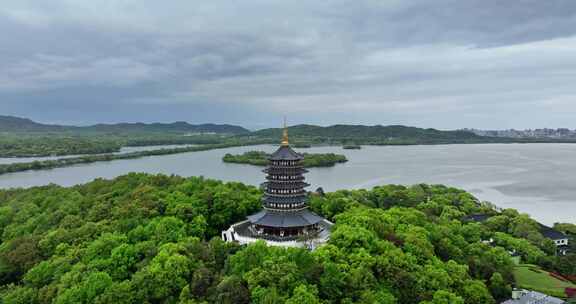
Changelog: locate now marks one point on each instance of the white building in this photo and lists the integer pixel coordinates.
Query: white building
(523, 296)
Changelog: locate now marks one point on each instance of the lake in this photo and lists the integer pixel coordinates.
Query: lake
(538, 179)
(11, 160)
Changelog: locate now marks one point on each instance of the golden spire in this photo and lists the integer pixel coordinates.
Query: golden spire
(285, 134)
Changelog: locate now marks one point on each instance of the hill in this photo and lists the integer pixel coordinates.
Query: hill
(176, 127)
(395, 134)
(143, 238)
(23, 125)
(18, 124)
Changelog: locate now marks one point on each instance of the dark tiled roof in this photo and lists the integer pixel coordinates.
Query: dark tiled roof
(552, 233)
(285, 153)
(279, 219)
(477, 218)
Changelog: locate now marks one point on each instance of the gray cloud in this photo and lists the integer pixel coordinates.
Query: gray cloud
(442, 63)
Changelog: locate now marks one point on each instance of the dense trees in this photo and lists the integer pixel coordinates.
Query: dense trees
(54, 146)
(121, 241)
(566, 265)
(260, 158)
(14, 144)
(22, 137)
(385, 135)
(25, 138)
(359, 134)
(155, 239)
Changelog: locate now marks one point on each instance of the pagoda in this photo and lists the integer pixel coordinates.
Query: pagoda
(285, 219)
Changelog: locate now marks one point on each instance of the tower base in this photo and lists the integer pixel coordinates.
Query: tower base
(245, 233)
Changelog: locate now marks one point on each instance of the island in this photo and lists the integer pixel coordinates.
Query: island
(352, 147)
(260, 158)
(301, 145)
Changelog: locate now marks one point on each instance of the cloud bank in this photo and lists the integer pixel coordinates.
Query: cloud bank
(442, 63)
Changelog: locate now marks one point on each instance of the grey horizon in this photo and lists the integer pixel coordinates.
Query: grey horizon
(445, 64)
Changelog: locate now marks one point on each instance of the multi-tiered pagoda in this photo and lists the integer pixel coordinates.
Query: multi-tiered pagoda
(285, 219)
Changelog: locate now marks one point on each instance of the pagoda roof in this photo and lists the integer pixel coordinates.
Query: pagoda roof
(285, 153)
(285, 219)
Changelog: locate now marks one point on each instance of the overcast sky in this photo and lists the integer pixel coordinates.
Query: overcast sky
(445, 64)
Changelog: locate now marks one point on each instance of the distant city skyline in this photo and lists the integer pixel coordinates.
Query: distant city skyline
(446, 64)
(528, 133)
(511, 132)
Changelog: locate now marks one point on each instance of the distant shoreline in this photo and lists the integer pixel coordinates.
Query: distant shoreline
(71, 161)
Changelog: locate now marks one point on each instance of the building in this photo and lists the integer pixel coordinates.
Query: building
(478, 218)
(560, 239)
(523, 296)
(285, 219)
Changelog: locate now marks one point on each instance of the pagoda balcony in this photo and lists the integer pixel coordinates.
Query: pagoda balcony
(293, 194)
(274, 178)
(285, 181)
(285, 185)
(299, 164)
(293, 170)
(300, 194)
(272, 199)
(285, 207)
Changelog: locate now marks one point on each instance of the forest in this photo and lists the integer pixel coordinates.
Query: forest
(143, 238)
(42, 145)
(12, 146)
(21, 137)
(385, 135)
(260, 158)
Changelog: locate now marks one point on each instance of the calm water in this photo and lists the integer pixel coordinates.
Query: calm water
(11, 160)
(534, 178)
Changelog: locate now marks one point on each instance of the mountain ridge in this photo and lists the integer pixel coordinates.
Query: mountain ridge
(375, 133)
(19, 124)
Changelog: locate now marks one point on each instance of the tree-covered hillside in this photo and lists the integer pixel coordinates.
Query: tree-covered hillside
(24, 125)
(155, 239)
(388, 135)
(55, 146)
(20, 137)
(373, 134)
(17, 124)
(176, 127)
(23, 137)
